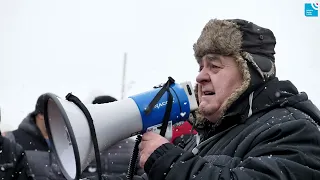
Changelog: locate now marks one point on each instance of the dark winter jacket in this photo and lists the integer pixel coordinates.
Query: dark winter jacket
(280, 140)
(13, 162)
(43, 164)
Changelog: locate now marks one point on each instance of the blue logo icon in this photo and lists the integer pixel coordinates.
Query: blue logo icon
(311, 9)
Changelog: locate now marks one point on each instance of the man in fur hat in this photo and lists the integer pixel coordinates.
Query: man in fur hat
(252, 125)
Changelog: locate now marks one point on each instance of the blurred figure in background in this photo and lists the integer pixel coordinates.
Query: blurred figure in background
(32, 136)
(13, 161)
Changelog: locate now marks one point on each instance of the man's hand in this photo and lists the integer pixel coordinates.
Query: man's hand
(149, 143)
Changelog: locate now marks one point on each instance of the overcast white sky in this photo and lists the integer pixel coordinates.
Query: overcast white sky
(77, 46)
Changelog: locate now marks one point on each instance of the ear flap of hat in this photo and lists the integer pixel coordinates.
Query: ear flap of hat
(265, 67)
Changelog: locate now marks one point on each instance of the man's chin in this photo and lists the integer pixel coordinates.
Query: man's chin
(206, 108)
(205, 112)
(208, 114)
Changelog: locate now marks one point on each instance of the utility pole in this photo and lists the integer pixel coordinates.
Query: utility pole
(123, 89)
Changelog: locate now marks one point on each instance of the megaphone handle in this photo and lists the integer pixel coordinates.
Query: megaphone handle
(82, 107)
(134, 158)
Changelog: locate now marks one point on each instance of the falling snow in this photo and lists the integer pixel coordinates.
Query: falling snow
(172, 165)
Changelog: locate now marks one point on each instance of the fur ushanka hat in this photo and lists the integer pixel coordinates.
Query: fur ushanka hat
(251, 45)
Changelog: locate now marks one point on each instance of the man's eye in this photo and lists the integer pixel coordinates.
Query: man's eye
(214, 66)
(200, 68)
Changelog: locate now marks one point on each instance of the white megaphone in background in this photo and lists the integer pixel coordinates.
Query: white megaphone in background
(69, 130)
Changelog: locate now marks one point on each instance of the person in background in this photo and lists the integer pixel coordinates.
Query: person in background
(32, 136)
(13, 161)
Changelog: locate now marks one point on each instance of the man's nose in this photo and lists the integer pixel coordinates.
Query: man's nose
(203, 76)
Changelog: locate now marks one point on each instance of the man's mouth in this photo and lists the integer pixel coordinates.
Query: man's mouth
(208, 93)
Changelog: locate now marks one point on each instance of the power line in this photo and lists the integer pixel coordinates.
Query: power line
(124, 76)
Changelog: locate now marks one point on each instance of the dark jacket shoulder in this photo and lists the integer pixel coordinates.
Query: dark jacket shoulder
(13, 161)
(42, 162)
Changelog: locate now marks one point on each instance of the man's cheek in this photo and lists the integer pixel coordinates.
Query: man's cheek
(199, 93)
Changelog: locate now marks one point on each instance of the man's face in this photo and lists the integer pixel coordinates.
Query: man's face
(40, 117)
(219, 76)
(41, 125)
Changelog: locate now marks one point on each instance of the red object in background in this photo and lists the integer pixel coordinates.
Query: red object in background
(183, 129)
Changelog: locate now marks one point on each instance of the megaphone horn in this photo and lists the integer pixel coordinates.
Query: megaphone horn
(72, 136)
(93, 135)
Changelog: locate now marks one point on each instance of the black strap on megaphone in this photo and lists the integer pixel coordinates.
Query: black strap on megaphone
(155, 100)
(85, 111)
(165, 121)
